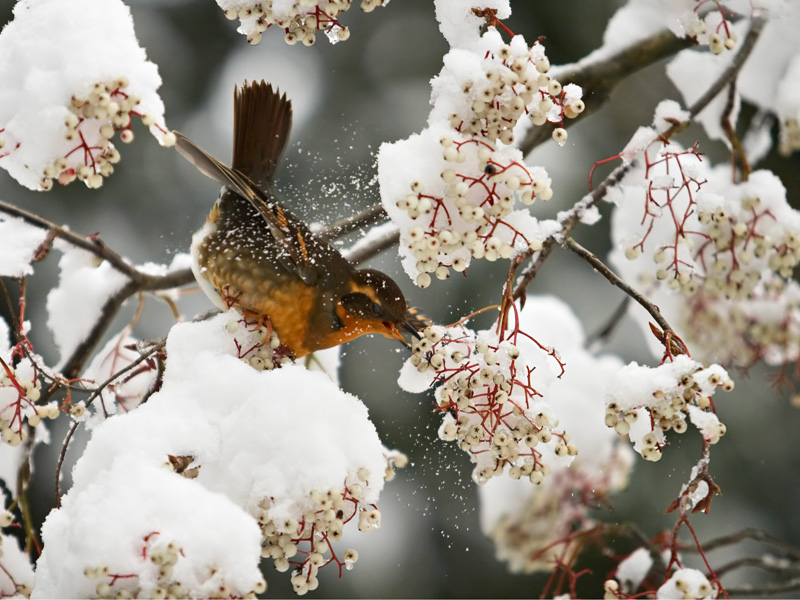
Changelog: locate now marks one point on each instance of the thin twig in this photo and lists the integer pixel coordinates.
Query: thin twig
(145, 282)
(604, 333)
(155, 347)
(765, 589)
(750, 533)
(364, 252)
(614, 279)
(369, 216)
(727, 77)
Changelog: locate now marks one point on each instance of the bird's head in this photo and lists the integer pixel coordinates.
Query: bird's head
(375, 305)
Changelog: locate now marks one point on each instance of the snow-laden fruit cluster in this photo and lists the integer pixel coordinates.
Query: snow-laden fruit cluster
(256, 344)
(306, 545)
(718, 256)
(68, 91)
(20, 390)
(534, 526)
(227, 460)
(163, 559)
(301, 20)
(644, 403)
(491, 403)
(454, 189)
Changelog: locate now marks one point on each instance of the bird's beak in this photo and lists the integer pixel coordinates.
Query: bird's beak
(394, 333)
(411, 329)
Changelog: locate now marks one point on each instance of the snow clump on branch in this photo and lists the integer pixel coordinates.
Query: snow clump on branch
(185, 494)
(454, 188)
(73, 77)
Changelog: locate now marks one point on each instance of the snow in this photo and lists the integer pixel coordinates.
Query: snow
(51, 52)
(17, 565)
(262, 441)
(693, 72)
(18, 244)
(686, 583)
(74, 306)
(459, 25)
(632, 570)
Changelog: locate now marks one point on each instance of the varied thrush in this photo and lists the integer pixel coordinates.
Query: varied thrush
(253, 254)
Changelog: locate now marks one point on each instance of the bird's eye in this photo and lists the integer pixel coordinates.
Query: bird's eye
(377, 308)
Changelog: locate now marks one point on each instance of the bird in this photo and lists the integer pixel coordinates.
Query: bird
(252, 253)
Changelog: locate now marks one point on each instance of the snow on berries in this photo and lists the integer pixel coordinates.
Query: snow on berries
(455, 189)
(68, 94)
(719, 254)
(644, 403)
(300, 21)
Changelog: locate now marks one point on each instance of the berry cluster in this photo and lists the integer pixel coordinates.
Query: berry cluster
(470, 179)
(257, 344)
(491, 409)
(162, 582)
(305, 544)
(513, 81)
(721, 37)
(90, 125)
(301, 20)
(677, 389)
(20, 389)
(730, 249)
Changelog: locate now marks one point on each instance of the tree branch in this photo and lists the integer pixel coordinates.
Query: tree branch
(614, 279)
(598, 75)
(572, 217)
(155, 347)
(361, 252)
(369, 216)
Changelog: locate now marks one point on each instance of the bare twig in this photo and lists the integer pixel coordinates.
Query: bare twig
(364, 252)
(154, 348)
(367, 217)
(145, 282)
(604, 333)
(614, 279)
(765, 589)
(753, 534)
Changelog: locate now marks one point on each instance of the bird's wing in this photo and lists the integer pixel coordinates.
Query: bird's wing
(288, 232)
(262, 119)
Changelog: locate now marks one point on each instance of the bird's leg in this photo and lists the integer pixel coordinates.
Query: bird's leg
(261, 320)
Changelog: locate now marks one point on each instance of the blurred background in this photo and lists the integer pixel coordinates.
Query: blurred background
(348, 99)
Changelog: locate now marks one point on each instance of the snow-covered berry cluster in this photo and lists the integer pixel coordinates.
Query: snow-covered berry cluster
(300, 20)
(157, 578)
(714, 29)
(90, 124)
(643, 403)
(20, 389)
(491, 406)
(728, 249)
(305, 543)
(70, 89)
(687, 583)
(458, 192)
(256, 343)
(509, 82)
